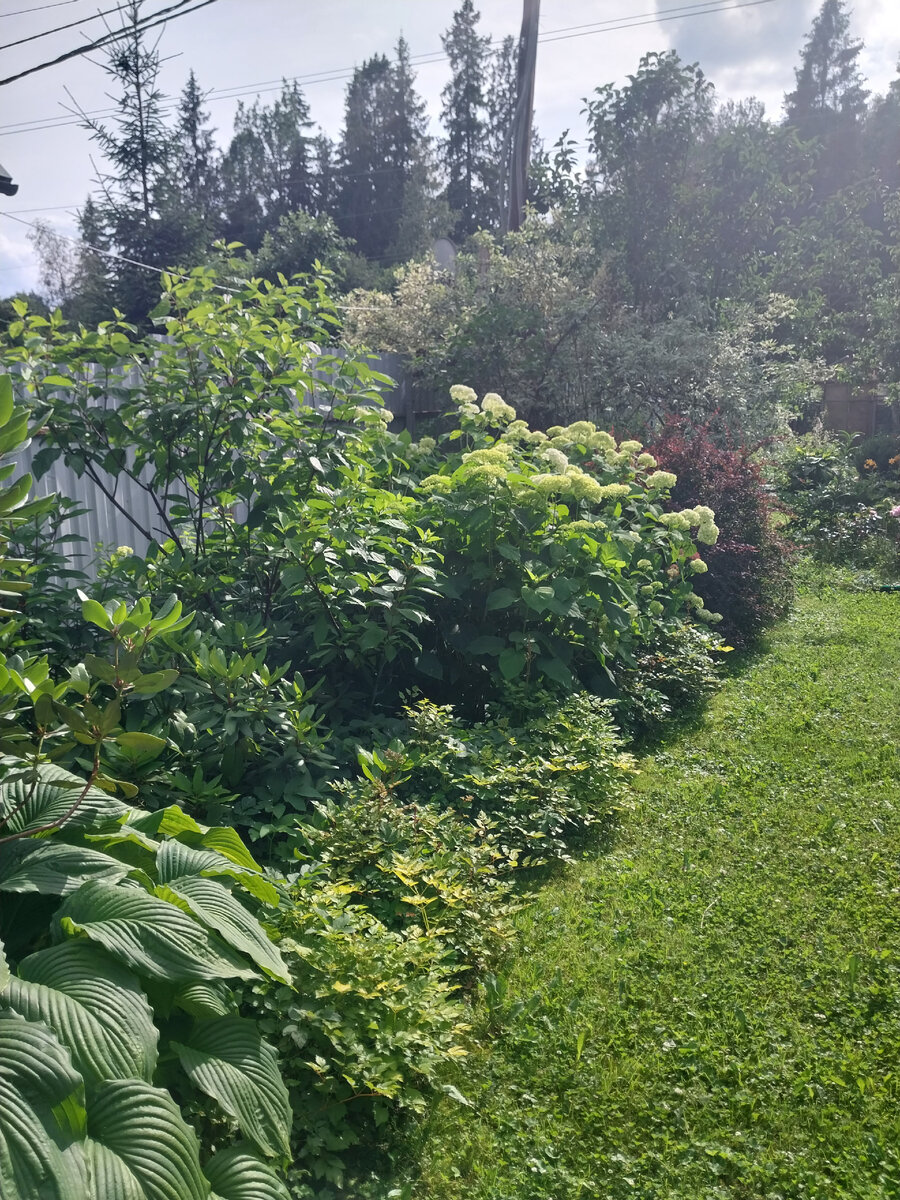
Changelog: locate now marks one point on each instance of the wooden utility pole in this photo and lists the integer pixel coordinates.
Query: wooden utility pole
(523, 118)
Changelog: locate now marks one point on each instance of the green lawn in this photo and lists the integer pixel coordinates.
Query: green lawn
(711, 1008)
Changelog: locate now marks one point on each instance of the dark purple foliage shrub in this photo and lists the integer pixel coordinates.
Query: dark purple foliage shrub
(749, 580)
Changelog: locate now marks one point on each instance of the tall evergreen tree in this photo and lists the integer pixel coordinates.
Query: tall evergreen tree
(500, 105)
(137, 150)
(829, 82)
(829, 102)
(267, 169)
(196, 173)
(465, 150)
(383, 170)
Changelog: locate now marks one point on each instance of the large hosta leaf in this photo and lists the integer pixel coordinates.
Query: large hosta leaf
(41, 1114)
(153, 937)
(139, 1147)
(176, 858)
(34, 805)
(53, 868)
(215, 906)
(227, 1059)
(93, 1004)
(237, 1174)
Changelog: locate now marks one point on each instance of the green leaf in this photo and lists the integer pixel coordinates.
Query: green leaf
(512, 663)
(156, 681)
(151, 936)
(238, 1174)
(142, 745)
(501, 598)
(227, 1059)
(206, 999)
(94, 1006)
(139, 1146)
(556, 670)
(53, 868)
(4, 969)
(176, 858)
(486, 644)
(216, 907)
(42, 1114)
(94, 612)
(48, 800)
(7, 399)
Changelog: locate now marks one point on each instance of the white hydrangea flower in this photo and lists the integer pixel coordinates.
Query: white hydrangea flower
(555, 459)
(661, 479)
(630, 447)
(698, 566)
(708, 533)
(463, 395)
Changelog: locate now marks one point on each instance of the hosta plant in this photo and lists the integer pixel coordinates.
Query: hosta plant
(124, 937)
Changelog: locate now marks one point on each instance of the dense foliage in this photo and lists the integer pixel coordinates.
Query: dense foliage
(124, 935)
(748, 580)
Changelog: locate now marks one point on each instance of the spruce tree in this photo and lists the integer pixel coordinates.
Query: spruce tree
(465, 150)
(829, 83)
(383, 171)
(267, 169)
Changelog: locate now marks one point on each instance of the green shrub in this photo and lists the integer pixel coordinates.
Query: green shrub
(673, 677)
(369, 1018)
(539, 784)
(122, 936)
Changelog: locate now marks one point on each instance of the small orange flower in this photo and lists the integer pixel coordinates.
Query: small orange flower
(870, 464)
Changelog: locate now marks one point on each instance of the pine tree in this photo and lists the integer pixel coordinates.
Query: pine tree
(465, 150)
(500, 107)
(196, 173)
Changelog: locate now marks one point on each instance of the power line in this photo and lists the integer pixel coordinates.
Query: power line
(59, 28)
(237, 91)
(38, 8)
(162, 16)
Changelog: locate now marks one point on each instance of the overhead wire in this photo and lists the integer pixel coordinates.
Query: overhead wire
(162, 16)
(60, 28)
(238, 91)
(19, 12)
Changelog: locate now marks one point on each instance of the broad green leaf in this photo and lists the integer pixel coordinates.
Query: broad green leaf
(7, 399)
(153, 937)
(238, 1174)
(156, 681)
(53, 868)
(176, 858)
(4, 969)
(51, 797)
(216, 907)
(206, 999)
(144, 745)
(227, 1059)
(139, 1146)
(501, 598)
(93, 611)
(93, 1004)
(556, 670)
(42, 1114)
(511, 663)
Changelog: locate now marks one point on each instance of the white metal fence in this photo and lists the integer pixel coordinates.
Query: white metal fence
(103, 526)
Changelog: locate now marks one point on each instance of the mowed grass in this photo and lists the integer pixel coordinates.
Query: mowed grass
(711, 1009)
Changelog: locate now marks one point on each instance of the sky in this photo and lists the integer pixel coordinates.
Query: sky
(248, 46)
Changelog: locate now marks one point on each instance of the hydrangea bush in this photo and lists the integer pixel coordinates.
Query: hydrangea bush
(559, 555)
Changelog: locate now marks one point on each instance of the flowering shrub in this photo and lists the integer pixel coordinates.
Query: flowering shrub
(748, 581)
(559, 557)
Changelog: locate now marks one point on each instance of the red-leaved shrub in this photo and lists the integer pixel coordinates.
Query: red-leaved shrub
(749, 579)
